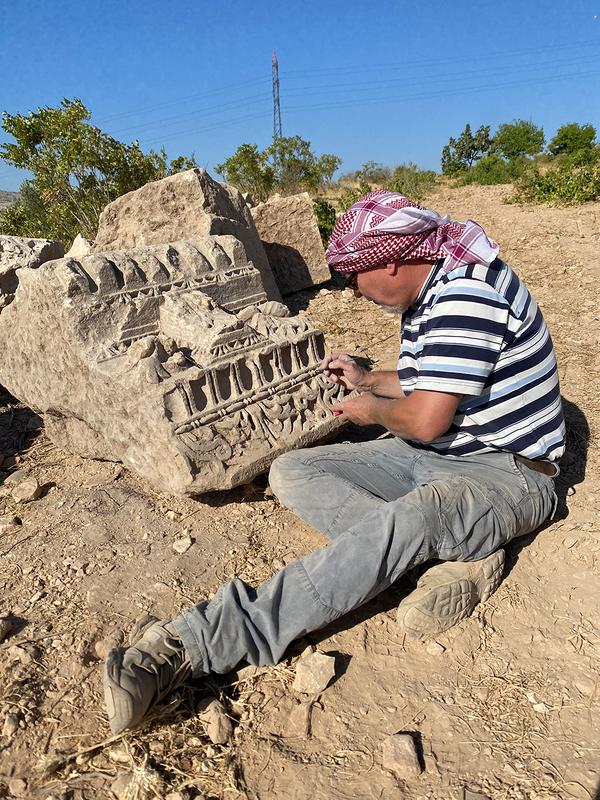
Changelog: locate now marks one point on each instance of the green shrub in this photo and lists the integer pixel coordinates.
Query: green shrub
(493, 169)
(411, 181)
(351, 195)
(574, 179)
(325, 214)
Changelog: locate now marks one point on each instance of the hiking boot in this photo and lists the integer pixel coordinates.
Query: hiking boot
(138, 677)
(447, 593)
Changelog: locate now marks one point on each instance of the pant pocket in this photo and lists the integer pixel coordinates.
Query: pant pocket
(474, 521)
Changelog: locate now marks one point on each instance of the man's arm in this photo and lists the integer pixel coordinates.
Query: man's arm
(422, 416)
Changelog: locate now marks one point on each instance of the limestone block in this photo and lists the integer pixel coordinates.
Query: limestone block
(16, 253)
(183, 206)
(80, 247)
(290, 235)
(169, 359)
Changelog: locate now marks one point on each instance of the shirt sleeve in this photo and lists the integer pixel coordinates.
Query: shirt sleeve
(463, 338)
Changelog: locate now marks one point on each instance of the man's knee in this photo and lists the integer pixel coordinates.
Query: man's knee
(287, 475)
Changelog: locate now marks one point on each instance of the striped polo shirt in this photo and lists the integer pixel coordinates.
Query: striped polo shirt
(477, 331)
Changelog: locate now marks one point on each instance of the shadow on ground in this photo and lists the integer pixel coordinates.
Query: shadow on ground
(19, 426)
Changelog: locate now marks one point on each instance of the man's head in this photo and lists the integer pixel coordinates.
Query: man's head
(393, 286)
(386, 243)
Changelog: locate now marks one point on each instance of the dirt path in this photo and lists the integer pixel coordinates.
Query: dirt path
(506, 704)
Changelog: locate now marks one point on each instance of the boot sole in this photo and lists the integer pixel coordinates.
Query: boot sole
(447, 593)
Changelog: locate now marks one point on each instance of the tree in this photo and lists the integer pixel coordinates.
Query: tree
(373, 172)
(76, 170)
(518, 139)
(249, 169)
(460, 154)
(288, 165)
(571, 138)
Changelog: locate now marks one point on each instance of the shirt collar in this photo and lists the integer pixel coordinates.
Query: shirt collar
(428, 283)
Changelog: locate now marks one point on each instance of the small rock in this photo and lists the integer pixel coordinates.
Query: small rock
(540, 708)
(16, 653)
(585, 685)
(11, 725)
(218, 724)
(17, 787)
(103, 646)
(15, 477)
(80, 247)
(118, 756)
(400, 756)
(435, 648)
(183, 544)
(174, 516)
(9, 523)
(470, 795)
(6, 626)
(313, 673)
(26, 491)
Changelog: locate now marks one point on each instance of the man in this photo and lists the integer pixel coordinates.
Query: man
(476, 427)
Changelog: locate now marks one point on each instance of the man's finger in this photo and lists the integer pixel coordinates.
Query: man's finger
(341, 363)
(338, 409)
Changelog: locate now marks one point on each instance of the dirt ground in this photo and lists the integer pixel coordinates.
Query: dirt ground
(506, 704)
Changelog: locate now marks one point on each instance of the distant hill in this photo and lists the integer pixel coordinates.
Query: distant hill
(7, 198)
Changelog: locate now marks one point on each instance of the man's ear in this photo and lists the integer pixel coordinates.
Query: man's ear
(392, 267)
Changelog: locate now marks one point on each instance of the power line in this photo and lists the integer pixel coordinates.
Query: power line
(332, 105)
(230, 90)
(187, 98)
(486, 56)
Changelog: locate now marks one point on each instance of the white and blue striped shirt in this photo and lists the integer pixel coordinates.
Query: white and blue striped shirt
(477, 331)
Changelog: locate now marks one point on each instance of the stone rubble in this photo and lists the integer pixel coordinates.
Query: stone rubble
(290, 235)
(400, 756)
(80, 247)
(10, 726)
(218, 725)
(183, 544)
(313, 673)
(27, 490)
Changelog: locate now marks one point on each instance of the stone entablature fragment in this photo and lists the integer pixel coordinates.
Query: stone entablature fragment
(168, 358)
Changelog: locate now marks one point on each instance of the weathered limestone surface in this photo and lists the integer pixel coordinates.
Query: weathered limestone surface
(183, 206)
(16, 253)
(168, 358)
(80, 247)
(290, 235)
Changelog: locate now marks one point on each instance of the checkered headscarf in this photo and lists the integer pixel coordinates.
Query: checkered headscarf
(386, 226)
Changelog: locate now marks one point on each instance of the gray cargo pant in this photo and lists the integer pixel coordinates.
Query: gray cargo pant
(385, 506)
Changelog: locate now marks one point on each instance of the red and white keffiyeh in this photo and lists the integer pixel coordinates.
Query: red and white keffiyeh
(386, 226)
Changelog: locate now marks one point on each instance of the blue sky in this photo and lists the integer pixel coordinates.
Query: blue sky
(388, 82)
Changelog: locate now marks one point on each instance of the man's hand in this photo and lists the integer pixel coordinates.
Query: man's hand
(341, 368)
(359, 410)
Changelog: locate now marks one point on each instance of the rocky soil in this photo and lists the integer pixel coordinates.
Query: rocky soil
(504, 706)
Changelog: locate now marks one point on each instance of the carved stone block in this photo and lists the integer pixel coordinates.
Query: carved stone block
(169, 359)
(16, 253)
(290, 235)
(183, 206)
